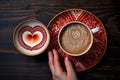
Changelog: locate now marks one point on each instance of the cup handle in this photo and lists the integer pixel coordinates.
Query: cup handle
(96, 29)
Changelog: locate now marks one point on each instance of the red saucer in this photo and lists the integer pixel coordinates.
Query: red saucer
(94, 55)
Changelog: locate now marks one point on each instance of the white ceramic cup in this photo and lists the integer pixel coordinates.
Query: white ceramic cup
(76, 38)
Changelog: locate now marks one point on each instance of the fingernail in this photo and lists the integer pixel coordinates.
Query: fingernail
(66, 58)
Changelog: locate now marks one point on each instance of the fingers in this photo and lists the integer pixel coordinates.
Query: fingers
(57, 62)
(54, 62)
(69, 67)
(51, 61)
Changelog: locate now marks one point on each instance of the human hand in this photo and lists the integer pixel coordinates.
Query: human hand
(57, 72)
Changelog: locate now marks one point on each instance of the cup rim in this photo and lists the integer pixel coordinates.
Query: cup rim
(86, 49)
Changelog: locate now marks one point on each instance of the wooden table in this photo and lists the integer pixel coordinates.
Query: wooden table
(15, 66)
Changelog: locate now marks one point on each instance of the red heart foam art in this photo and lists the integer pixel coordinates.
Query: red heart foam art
(32, 38)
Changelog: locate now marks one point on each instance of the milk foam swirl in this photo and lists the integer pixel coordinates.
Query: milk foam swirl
(75, 38)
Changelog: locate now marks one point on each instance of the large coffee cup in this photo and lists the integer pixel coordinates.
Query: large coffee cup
(76, 38)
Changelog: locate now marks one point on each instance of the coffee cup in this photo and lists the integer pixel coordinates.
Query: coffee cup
(31, 37)
(76, 38)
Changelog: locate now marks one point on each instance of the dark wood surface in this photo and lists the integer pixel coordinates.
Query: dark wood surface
(15, 66)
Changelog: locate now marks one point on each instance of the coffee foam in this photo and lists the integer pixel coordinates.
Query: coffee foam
(24, 50)
(28, 40)
(75, 38)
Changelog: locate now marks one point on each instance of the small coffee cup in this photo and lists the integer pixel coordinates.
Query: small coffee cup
(31, 37)
(76, 38)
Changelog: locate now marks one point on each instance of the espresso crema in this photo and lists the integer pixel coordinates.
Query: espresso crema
(75, 38)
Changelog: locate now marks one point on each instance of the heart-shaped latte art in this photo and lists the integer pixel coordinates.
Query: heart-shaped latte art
(32, 38)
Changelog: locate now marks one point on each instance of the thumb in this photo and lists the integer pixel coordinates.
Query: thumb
(69, 67)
